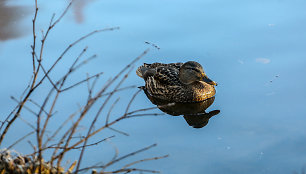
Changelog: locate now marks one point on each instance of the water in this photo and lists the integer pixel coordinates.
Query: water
(253, 49)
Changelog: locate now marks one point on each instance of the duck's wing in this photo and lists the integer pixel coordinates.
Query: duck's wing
(166, 76)
(155, 65)
(147, 70)
(164, 83)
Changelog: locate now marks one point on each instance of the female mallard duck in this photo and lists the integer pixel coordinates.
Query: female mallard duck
(177, 82)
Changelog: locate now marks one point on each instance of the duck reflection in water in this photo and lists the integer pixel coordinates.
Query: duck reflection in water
(180, 89)
(194, 113)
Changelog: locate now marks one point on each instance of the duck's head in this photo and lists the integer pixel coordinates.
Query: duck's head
(191, 72)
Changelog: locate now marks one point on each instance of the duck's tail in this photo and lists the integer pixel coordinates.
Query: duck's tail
(145, 70)
(140, 71)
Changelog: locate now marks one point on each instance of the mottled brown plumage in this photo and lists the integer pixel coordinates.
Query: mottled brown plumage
(177, 82)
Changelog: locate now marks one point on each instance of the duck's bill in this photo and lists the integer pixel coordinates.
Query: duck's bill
(209, 81)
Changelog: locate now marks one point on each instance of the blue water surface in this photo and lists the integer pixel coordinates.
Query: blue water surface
(255, 50)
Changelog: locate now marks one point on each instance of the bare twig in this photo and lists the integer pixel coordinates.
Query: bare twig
(141, 110)
(82, 81)
(70, 46)
(116, 130)
(131, 101)
(87, 108)
(28, 123)
(25, 107)
(36, 104)
(96, 143)
(110, 110)
(128, 155)
(96, 117)
(85, 62)
(153, 45)
(35, 70)
(91, 87)
(20, 139)
(59, 129)
(8, 117)
(141, 115)
(119, 89)
(143, 160)
(34, 37)
(79, 147)
(125, 168)
(128, 170)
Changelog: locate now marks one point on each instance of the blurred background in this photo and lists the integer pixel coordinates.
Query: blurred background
(255, 50)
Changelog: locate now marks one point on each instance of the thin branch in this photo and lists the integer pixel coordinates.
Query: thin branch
(26, 89)
(32, 145)
(141, 115)
(116, 130)
(71, 69)
(62, 15)
(59, 129)
(82, 81)
(35, 71)
(8, 117)
(110, 110)
(153, 45)
(125, 168)
(79, 147)
(20, 139)
(143, 160)
(87, 108)
(28, 123)
(129, 170)
(59, 90)
(36, 104)
(141, 110)
(27, 108)
(116, 150)
(70, 46)
(91, 87)
(20, 106)
(128, 155)
(131, 101)
(85, 62)
(34, 37)
(49, 78)
(119, 89)
(96, 143)
(96, 117)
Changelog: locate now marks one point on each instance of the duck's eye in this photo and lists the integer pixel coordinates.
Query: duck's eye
(194, 69)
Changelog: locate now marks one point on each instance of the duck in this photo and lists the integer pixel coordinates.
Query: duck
(177, 82)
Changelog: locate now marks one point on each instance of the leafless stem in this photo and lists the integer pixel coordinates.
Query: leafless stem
(70, 46)
(96, 117)
(143, 160)
(125, 168)
(141, 115)
(59, 129)
(128, 155)
(34, 37)
(86, 108)
(121, 132)
(131, 101)
(110, 110)
(82, 81)
(20, 139)
(79, 147)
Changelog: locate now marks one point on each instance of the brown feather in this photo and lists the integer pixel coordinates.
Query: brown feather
(162, 81)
